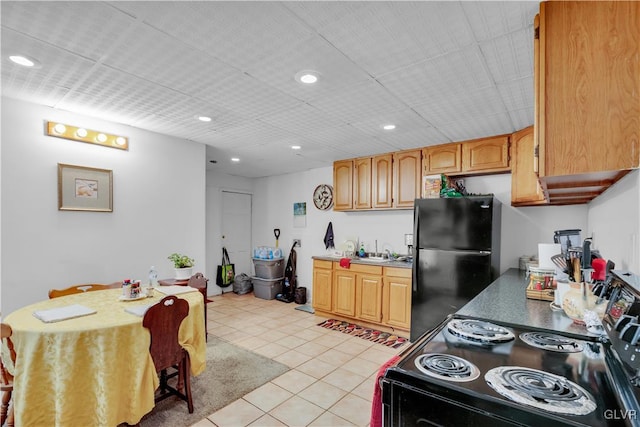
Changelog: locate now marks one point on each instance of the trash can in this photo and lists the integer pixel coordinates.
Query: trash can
(301, 295)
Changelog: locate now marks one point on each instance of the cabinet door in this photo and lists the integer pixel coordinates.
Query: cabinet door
(444, 158)
(407, 178)
(382, 180)
(525, 188)
(343, 185)
(362, 183)
(590, 63)
(369, 297)
(322, 289)
(344, 293)
(397, 302)
(486, 154)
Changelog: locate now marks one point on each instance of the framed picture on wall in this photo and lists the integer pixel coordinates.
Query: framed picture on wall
(81, 188)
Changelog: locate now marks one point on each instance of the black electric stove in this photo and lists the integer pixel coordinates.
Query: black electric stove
(470, 371)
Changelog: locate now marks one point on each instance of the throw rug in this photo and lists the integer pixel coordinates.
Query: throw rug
(384, 338)
(231, 373)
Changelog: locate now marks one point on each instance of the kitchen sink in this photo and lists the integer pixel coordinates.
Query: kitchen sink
(376, 259)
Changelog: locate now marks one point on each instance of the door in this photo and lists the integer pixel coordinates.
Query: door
(344, 293)
(236, 231)
(369, 297)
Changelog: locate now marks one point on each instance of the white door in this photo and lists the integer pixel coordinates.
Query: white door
(236, 231)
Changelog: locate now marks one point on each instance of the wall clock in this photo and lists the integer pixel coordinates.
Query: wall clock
(323, 197)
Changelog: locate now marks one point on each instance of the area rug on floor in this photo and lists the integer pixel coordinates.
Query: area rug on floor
(384, 338)
(231, 373)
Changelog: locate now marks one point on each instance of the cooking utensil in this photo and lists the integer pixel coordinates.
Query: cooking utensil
(276, 232)
(559, 261)
(576, 270)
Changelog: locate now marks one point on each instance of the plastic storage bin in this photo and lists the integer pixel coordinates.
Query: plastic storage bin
(269, 268)
(267, 288)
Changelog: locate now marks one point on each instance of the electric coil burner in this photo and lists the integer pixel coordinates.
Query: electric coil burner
(552, 342)
(478, 331)
(447, 367)
(541, 390)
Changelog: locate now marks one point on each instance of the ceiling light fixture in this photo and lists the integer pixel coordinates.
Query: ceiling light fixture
(295, 147)
(24, 61)
(204, 118)
(80, 134)
(389, 127)
(235, 159)
(307, 77)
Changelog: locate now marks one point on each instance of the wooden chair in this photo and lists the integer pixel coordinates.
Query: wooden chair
(163, 321)
(6, 380)
(199, 282)
(77, 289)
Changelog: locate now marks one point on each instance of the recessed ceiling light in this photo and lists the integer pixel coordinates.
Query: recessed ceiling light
(295, 147)
(235, 159)
(24, 61)
(388, 127)
(204, 118)
(307, 77)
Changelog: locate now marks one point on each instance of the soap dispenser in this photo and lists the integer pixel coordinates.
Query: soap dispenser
(361, 252)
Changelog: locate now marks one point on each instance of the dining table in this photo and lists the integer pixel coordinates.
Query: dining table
(93, 370)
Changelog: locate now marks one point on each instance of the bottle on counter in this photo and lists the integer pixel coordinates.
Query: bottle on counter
(361, 252)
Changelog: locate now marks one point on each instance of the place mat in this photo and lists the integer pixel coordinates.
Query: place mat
(138, 310)
(63, 313)
(379, 337)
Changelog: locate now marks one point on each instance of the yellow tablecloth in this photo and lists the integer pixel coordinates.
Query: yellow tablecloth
(94, 370)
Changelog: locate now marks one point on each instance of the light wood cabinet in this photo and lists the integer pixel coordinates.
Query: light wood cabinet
(525, 188)
(343, 185)
(396, 298)
(369, 297)
(344, 292)
(407, 178)
(488, 155)
(370, 294)
(587, 96)
(322, 285)
(382, 181)
(445, 158)
(362, 183)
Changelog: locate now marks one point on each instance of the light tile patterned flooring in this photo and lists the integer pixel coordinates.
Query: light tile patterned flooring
(332, 374)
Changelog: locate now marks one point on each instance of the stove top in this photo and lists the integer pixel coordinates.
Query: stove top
(513, 372)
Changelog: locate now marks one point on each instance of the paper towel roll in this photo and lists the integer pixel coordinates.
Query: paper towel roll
(545, 252)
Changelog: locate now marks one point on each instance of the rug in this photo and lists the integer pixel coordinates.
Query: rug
(231, 373)
(379, 337)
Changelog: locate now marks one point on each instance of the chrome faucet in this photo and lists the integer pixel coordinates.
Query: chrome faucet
(388, 252)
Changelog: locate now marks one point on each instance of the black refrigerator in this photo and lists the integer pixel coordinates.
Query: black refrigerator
(456, 255)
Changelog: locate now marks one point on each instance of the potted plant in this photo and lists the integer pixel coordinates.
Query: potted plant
(183, 265)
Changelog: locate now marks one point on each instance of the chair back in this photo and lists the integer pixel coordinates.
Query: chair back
(6, 379)
(77, 289)
(163, 321)
(198, 281)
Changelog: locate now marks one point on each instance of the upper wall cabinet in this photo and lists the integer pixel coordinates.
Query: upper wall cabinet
(525, 188)
(362, 183)
(343, 185)
(587, 96)
(382, 181)
(407, 178)
(487, 155)
(446, 158)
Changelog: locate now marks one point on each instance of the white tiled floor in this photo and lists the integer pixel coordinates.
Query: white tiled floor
(332, 374)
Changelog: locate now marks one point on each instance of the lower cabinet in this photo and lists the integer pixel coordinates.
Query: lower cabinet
(368, 293)
(396, 297)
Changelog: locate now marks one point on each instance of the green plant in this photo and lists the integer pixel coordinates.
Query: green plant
(181, 261)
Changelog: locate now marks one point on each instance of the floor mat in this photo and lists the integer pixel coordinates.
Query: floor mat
(384, 338)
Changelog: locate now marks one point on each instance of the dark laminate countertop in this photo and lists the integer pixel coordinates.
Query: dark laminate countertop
(400, 264)
(505, 301)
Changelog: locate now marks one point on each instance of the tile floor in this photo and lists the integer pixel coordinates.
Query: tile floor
(332, 374)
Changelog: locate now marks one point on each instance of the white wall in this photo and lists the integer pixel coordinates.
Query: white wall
(614, 221)
(158, 206)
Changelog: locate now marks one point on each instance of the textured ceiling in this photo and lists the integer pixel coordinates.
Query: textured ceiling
(441, 71)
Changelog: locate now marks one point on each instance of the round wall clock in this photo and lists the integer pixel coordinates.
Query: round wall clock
(323, 196)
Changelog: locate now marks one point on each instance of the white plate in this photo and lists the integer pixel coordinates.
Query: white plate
(139, 297)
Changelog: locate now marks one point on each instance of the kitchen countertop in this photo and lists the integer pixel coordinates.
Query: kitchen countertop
(400, 264)
(504, 300)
